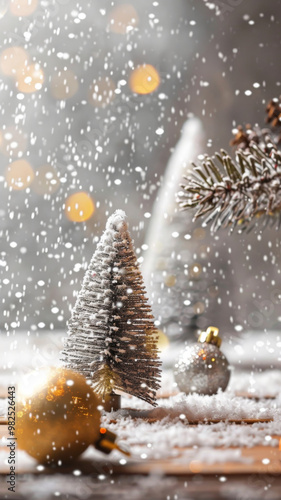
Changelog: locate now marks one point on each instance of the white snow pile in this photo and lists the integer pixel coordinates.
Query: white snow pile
(195, 407)
(166, 438)
(164, 431)
(221, 406)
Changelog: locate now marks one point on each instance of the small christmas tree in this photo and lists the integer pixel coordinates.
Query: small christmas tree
(175, 268)
(111, 338)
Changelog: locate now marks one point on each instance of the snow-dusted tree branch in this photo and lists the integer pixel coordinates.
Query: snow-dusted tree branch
(249, 187)
(237, 191)
(111, 338)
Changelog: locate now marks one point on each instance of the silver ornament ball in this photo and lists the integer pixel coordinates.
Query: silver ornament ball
(202, 368)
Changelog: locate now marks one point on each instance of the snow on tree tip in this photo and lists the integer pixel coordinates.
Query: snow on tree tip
(117, 221)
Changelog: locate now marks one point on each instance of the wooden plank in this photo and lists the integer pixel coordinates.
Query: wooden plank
(243, 421)
(248, 421)
(262, 460)
(259, 460)
(255, 397)
(239, 394)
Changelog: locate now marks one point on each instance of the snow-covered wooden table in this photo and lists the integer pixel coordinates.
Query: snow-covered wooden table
(222, 446)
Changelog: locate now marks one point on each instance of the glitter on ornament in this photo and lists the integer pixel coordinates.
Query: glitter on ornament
(202, 367)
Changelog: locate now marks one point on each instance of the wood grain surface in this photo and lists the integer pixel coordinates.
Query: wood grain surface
(259, 460)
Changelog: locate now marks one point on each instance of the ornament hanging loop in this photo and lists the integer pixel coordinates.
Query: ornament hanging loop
(210, 336)
(107, 442)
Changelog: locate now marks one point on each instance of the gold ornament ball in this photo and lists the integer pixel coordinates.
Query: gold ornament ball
(57, 415)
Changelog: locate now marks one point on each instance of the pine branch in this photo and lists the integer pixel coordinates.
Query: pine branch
(249, 187)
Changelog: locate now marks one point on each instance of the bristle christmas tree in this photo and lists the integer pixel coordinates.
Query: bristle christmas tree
(173, 267)
(181, 284)
(250, 185)
(111, 338)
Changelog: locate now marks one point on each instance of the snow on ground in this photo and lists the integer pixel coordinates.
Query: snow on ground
(169, 433)
(170, 429)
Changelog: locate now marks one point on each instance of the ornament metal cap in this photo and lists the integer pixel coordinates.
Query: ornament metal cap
(211, 336)
(106, 442)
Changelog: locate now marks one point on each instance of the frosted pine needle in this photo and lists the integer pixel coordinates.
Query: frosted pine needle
(228, 192)
(111, 338)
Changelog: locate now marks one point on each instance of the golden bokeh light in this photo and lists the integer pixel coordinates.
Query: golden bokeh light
(170, 280)
(79, 207)
(122, 18)
(101, 92)
(46, 180)
(199, 233)
(19, 175)
(64, 85)
(198, 308)
(195, 466)
(195, 270)
(213, 291)
(144, 79)
(163, 341)
(13, 142)
(30, 79)
(161, 263)
(13, 60)
(22, 8)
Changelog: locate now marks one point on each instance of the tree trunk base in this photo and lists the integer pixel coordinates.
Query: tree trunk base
(112, 402)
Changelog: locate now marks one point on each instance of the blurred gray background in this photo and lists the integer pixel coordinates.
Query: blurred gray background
(208, 56)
